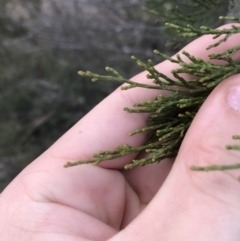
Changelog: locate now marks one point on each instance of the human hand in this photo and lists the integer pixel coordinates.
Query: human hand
(155, 202)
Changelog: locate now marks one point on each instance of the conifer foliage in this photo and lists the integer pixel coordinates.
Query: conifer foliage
(171, 115)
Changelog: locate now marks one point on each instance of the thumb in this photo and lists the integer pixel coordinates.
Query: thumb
(211, 133)
(199, 205)
(208, 202)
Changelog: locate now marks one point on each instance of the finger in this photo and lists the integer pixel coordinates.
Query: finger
(200, 203)
(107, 126)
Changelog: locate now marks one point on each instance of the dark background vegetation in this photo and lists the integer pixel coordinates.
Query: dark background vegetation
(43, 43)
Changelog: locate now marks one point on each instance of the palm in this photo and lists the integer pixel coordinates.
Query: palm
(110, 198)
(88, 202)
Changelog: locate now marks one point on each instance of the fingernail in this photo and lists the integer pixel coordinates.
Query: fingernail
(233, 98)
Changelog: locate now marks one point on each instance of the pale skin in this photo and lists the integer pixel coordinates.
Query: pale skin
(163, 201)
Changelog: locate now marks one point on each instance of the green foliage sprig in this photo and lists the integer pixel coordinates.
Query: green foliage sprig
(171, 115)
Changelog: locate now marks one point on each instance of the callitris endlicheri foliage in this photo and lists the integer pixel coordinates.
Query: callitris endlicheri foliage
(171, 115)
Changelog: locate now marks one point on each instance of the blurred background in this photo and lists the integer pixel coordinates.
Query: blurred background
(43, 44)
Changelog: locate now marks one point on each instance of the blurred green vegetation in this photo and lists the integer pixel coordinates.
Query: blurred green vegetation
(194, 12)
